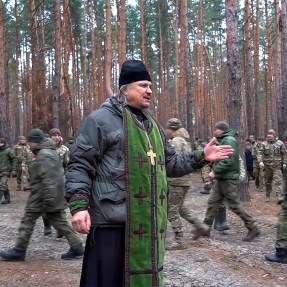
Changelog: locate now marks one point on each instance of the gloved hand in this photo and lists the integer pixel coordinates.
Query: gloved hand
(261, 164)
(48, 203)
(13, 174)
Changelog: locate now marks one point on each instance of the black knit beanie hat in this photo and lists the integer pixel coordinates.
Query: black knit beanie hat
(223, 126)
(54, 132)
(133, 71)
(35, 136)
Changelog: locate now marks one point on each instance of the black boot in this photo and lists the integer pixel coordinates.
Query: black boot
(220, 223)
(6, 196)
(74, 252)
(280, 256)
(13, 254)
(47, 227)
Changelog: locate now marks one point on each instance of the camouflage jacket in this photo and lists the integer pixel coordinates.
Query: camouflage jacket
(47, 184)
(272, 153)
(8, 160)
(255, 150)
(63, 153)
(23, 153)
(180, 142)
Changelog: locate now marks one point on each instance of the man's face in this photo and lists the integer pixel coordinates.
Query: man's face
(139, 94)
(23, 142)
(270, 137)
(218, 132)
(56, 138)
(169, 133)
(1, 144)
(32, 145)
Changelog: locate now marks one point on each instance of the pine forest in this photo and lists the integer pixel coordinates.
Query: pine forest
(209, 61)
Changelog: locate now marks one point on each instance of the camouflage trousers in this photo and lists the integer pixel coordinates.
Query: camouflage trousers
(205, 176)
(58, 221)
(4, 181)
(178, 208)
(259, 178)
(281, 240)
(226, 190)
(22, 173)
(273, 174)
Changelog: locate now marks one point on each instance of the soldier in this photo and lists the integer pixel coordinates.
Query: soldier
(8, 166)
(280, 255)
(24, 156)
(226, 177)
(47, 195)
(178, 187)
(272, 157)
(258, 172)
(63, 153)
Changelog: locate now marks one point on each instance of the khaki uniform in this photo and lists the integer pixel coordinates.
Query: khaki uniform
(273, 155)
(258, 172)
(178, 187)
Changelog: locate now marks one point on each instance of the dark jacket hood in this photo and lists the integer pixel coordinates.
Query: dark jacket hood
(46, 143)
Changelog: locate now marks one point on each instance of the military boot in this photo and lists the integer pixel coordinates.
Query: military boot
(6, 196)
(13, 254)
(280, 256)
(74, 252)
(47, 227)
(178, 243)
(201, 229)
(252, 233)
(206, 189)
(220, 222)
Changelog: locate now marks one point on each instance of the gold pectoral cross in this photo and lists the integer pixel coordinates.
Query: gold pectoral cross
(152, 156)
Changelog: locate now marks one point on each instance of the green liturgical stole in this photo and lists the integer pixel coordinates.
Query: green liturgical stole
(146, 204)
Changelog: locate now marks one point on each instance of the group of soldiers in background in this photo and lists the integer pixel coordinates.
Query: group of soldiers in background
(41, 166)
(265, 162)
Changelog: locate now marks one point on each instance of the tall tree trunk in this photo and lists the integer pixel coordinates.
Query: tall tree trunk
(248, 71)
(57, 68)
(272, 119)
(257, 123)
(278, 68)
(16, 115)
(143, 31)
(284, 62)
(4, 111)
(122, 31)
(108, 50)
(234, 79)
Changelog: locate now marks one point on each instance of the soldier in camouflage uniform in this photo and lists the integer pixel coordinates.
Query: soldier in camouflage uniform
(272, 157)
(8, 165)
(47, 195)
(178, 187)
(280, 254)
(24, 156)
(63, 153)
(226, 177)
(258, 172)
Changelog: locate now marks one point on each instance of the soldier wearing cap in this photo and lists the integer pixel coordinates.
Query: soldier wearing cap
(272, 158)
(258, 172)
(24, 157)
(178, 187)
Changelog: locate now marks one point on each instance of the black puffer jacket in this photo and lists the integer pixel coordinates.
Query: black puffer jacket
(96, 170)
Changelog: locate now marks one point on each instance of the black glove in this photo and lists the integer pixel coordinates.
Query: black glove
(13, 174)
(48, 203)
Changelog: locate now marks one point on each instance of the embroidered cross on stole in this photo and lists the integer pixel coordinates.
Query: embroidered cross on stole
(146, 204)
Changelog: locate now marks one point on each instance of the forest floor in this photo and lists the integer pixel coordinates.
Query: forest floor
(221, 260)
